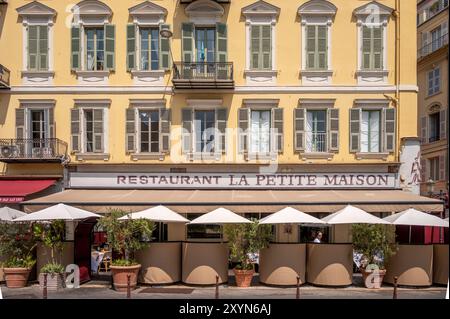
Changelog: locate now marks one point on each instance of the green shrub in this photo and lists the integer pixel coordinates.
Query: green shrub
(52, 269)
(124, 263)
(14, 262)
(52, 236)
(17, 243)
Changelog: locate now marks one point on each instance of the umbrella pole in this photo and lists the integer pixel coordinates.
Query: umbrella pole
(409, 234)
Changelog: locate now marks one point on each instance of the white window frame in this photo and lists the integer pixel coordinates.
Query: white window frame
(430, 173)
(137, 110)
(41, 105)
(436, 90)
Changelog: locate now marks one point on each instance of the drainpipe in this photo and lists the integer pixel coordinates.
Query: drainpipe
(397, 76)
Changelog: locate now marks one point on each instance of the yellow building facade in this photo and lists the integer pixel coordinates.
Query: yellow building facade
(175, 97)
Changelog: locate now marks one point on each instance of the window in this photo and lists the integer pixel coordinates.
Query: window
(435, 123)
(87, 129)
(316, 131)
(434, 81)
(149, 131)
(434, 168)
(260, 131)
(261, 47)
(204, 128)
(37, 48)
(316, 47)
(200, 231)
(370, 131)
(149, 48)
(436, 40)
(95, 50)
(38, 128)
(372, 47)
(205, 44)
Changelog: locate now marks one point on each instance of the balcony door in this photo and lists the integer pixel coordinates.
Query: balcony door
(205, 46)
(38, 132)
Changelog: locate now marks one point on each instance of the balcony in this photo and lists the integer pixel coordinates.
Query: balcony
(203, 75)
(22, 150)
(432, 47)
(4, 77)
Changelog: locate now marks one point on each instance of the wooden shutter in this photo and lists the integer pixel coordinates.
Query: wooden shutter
(389, 129)
(187, 120)
(443, 124)
(33, 47)
(187, 34)
(110, 34)
(442, 167)
(266, 45)
(20, 123)
(75, 47)
(377, 48)
(423, 129)
(277, 125)
(131, 46)
(333, 130)
(310, 46)
(366, 47)
(164, 130)
(130, 130)
(322, 44)
(75, 130)
(423, 169)
(221, 50)
(98, 130)
(299, 129)
(355, 129)
(164, 49)
(51, 122)
(221, 126)
(255, 49)
(243, 126)
(43, 48)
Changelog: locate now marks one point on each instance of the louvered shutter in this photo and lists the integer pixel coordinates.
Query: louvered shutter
(51, 122)
(310, 46)
(220, 138)
(377, 48)
(75, 47)
(366, 47)
(131, 46)
(33, 47)
(221, 49)
(423, 169)
(243, 126)
(43, 48)
(75, 130)
(266, 45)
(389, 129)
(110, 34)
(164, 49)
(187, 47)
(423, 130)
(277, 125)
(164, 142)
(355, 129)
(333, 131)
(255, 35)
(98, 130)
(20, 123)
(299, 129)
(130, 130)
(187, 131)
(442, 167)
(322, 44)
(443, 124)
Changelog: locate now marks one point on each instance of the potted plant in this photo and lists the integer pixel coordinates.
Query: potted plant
(125, 238)
(52, 235)
(245, 240)
(17, 244)
(375, 244)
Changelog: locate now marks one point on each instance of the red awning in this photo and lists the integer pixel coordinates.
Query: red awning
(14, 191)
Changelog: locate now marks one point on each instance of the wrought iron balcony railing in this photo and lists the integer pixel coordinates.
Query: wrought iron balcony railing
(316, 142)
(4, 77)
(32, 150)
(433, 46)
(201, 75)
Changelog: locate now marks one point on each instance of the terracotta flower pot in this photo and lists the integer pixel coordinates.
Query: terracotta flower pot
(120, 276)
(375, 281)
(16, 277)
(243, 277)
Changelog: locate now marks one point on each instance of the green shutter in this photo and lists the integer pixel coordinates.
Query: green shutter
(187, 48)
(187, 120)
(220, 138)
(51, 122)
(131, 46)
(43, 48)
(130, 130)
(266, 45)
(164, 49)
(20, 123)
(243, 127)
(310, 46)
(389, 129)
(377, 48)
(355, 129)
(164, 130)
(322, 43)
(277, 126)
(333, 129)
(110, 33)
(75, 48)
(75, 130)
(299, 129)
(32, 47)
(221, 49)
(366, 47)
(98, 130)
(255, 50)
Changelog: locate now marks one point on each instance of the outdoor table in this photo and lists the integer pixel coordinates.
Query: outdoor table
(281, 264)
(440, 264)
(412, 264)
(203, 261)
(161, 263)
(43, 254)
(329, 264)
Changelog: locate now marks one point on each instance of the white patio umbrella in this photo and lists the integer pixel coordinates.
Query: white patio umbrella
(9, 214)
(289, 215)
(158, 214)
(413, 217)
(353, 215)
(220, 216)
(57, 212)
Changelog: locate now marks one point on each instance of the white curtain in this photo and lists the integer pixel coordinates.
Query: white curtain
(308, 131)
(260, 132)
(90, 61)
(370, 125)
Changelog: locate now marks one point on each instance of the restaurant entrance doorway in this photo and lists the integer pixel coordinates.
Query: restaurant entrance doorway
(82, 257)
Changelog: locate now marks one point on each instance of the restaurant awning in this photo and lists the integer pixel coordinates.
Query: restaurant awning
(240, 201)
(15, 190)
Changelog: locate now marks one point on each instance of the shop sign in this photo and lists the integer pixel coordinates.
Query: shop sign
(233, 180)
(11, 200)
